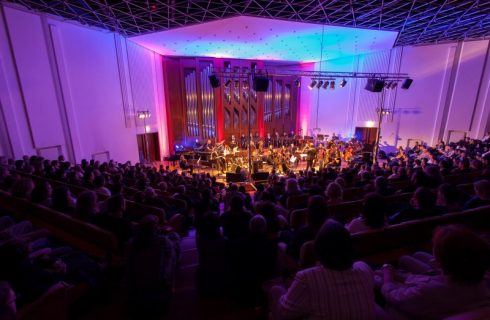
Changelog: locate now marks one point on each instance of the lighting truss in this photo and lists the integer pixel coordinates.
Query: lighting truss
(314, 75)
(417, 21)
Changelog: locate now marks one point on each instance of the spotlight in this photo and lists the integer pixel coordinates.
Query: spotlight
(237, 83)
(325, 85)
(343, 83)
(312, 84)
(319, 84)
(297, 83)
(332, 85)
(213, 79)
(245, 84)
(387, 84)
(394, 84)
(228, 83)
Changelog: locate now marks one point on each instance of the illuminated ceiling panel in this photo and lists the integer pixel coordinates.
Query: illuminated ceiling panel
(266, 39)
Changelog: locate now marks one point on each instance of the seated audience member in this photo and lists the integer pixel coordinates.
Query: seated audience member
(99, 184)
(253, 261)
(22, 188)
(62, 200)
(372, 216)
(334, 193)
(268, 211)
(463, 258)
(151, 259)
(112, 219)
(235, 221)
(316, 215)
(382, 187)
(448, 198)
(8, 307)
(292, 189)
(338, 288)
(41, 194)
(86, 207)
(422, 205)
(482, 195)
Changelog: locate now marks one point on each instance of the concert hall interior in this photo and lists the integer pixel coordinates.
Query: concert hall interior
(198, 159)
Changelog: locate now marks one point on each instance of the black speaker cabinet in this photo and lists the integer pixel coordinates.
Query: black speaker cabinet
(213, 79)
(260, 176)
(374, 85)
(407, 83)
(260, 83)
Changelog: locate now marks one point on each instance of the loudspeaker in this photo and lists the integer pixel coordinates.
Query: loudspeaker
(407, 83)
(374, 85)
(234, 177)
(214, 81)
(260, 176)
(260, 84)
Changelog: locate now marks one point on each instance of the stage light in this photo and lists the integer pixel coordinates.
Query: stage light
(213, 79)
(237, 83)
(387, 84)
(245, 84)
(319, 84)
(407, 83)
(325, 85)
(394, 84)
(228, 83)
(343, 83)
(312, 84)
(332, 85)
(297, 83)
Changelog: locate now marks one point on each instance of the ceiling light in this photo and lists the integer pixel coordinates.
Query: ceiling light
(343, 83)
(332, 84)
(319, 85)
(228, 83)
(312, 84)
(297, 83)
(325, 85)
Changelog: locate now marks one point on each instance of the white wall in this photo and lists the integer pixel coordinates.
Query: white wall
(66, 85)
(450, 93)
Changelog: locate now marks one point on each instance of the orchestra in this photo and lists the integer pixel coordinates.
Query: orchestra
(279, 152)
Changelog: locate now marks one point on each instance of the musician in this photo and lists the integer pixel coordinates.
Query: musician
(197, 145)
(321, 157)
(209, 145)
(183, 164)
(256, 138)
(243, 141)
(268, 140)
(284, 141)
(233, 142)
(310, 156)
(277, 140)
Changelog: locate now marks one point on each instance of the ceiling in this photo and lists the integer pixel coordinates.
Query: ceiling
(416, 21)
(246, 37)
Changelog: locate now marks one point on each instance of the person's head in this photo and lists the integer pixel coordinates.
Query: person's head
(8, 308)
(22, 188)
(116, 205)
(236, 203)
(86, 205)
(447, 195)
(317, 212)
(373, 211)
(333, 246)
(482, 189)
(41, 192)
(150, 193)
(292, 185)
(423, 198)
(462, 255)
(380, 183)
(334, 191)
(99, 181)
(258, 225)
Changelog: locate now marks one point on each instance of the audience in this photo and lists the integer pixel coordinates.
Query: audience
(372, 217)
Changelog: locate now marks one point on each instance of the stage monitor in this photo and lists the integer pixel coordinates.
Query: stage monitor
(260, 176)
(234, 177)
(260, 83)
(374, 85)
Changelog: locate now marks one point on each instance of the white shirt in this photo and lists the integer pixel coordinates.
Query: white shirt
(321, 293)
